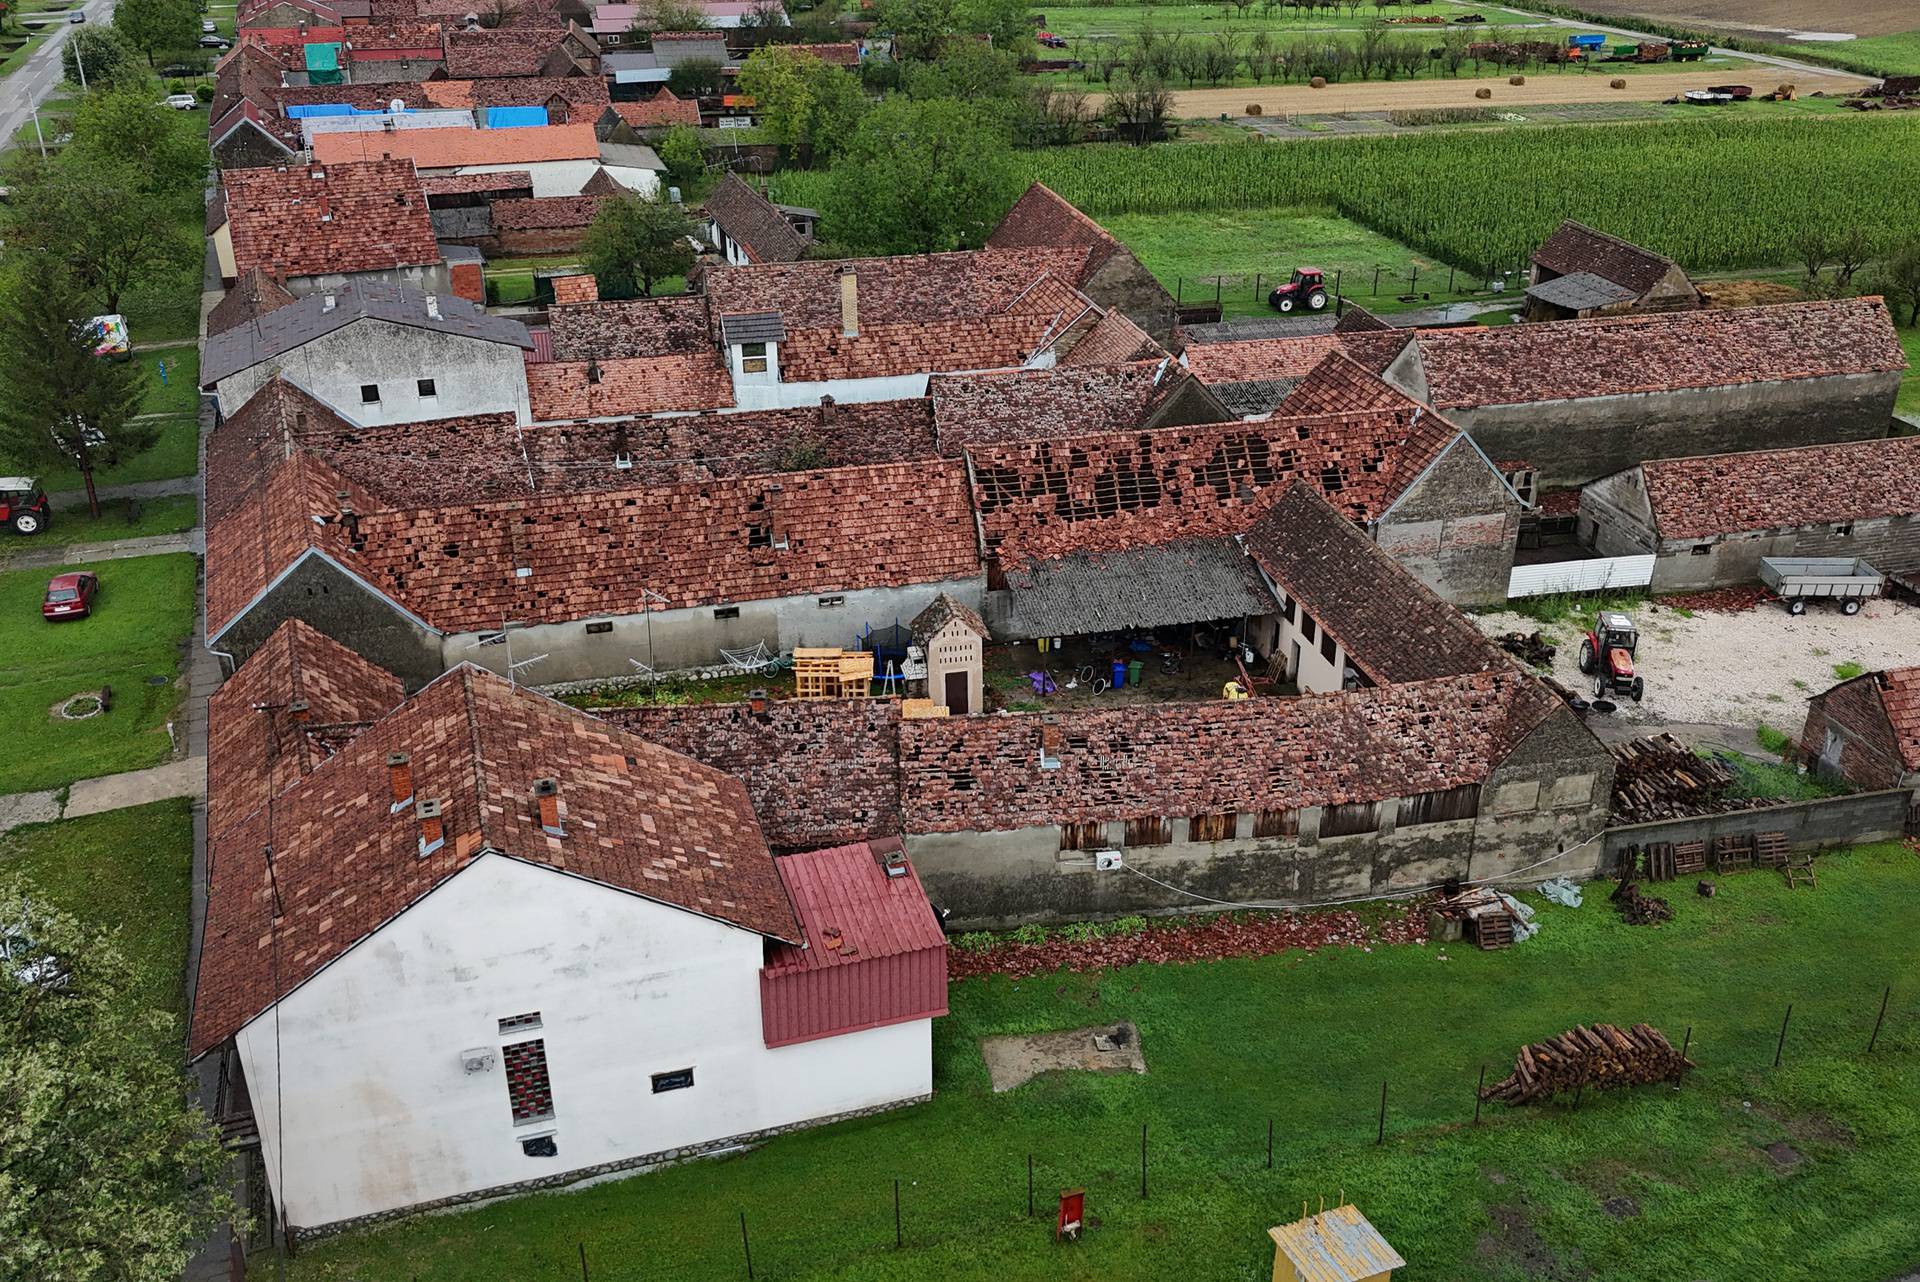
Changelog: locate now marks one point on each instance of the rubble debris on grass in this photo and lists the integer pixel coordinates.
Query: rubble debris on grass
(1637, 908)
(1531, 648)
(1016, 1059)
(1241, 934)
(1733, 600)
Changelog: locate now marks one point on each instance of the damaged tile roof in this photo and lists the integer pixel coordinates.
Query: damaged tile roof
(961, 773)
(251, 297)
(476, 184)
(628, 385)
(1391, 625)
(454, 148)
(912, 289)
(751, 222)
(1047, 498)
(944, 610)
(631, 327)
(1620, 355)
(1024, 405)
(1713, 494)
(1899, 690)
(545, 213)
(321, 219)
(1113, 339)
(638, 818)
(522, 91)
(823, 353)
(1150, 586)
(1269, 359)
(505, 51)
(1338, 384)
(664, 108)
(1042, 219)
(1575, 247)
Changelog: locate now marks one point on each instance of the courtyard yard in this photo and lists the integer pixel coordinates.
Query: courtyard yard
(133, 643)
(1306, 1039)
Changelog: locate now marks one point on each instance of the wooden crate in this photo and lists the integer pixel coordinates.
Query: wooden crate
(1491, 929)
(816, 672)
(1689, 857)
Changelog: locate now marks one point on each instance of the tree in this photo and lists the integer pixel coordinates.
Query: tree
(695, 78)
(106, 1174)
(922, 28)
(168, 149)
(634, 244)
(1899, 281)
(683, 153)
(669, 15)
(967, 70)
(96, 216)
(1139, 109)
(802, 101)
(158, 26)
(63, 406)
(920, 177)
(103, 56)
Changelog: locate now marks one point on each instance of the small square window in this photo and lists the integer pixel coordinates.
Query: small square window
(1287, 610)
(753, 365)
(678, 1080)
(1844, 530)
(1702, 549)
(1307, 629)
(425, 387)
(597, 629)
(753, 349)
(520, 1023)
(369, 393)
(832, 602)
(1327, 646)
(727, 612)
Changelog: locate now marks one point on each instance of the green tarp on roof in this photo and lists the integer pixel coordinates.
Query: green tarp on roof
(323, 57)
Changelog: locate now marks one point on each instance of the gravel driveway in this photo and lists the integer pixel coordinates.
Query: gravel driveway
(1741, 669)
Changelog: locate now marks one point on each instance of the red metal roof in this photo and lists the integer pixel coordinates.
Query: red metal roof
(874, 953)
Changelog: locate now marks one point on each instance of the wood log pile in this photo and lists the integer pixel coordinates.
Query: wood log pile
(1638, 908)
(1601, 1057)
(1532, 648)
(1661, 778)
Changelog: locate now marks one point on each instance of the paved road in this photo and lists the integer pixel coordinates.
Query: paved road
(38, 77)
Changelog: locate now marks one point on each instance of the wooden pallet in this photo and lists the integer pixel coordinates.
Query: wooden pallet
(1770, 850)
(1733, 851)
(1492, 930)
(1689, 857)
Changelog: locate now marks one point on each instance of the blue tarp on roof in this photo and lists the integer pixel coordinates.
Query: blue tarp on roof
(306, 109)
(515, 117)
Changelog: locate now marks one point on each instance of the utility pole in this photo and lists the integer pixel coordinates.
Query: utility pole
(37, 135)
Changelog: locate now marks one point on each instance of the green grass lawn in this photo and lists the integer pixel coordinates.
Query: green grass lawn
(125, 870)
(1210, 19)
(172, 514)
(1306, 1040)
(1908, 402)
(145, 614)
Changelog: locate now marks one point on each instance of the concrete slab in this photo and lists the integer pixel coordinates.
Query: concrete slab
(1108, 1048)
(184, 778)
(21, 808)
(36, 558)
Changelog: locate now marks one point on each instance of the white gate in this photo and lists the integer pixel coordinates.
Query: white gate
(1596, 575)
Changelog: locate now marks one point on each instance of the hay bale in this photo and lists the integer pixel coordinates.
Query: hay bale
(1253, 109)
(1318, 82)
(1618, 82)
(1516, 80)
(1483, 93)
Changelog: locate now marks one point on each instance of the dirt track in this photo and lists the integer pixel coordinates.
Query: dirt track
(1769, 17)
(1540, 90)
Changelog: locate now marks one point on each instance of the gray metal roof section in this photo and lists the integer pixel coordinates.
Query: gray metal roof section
(1580, 291)
(753, 327)
(468, 222)
(1239, 329)
(1156, 585)
(285, 328)
(631, 156)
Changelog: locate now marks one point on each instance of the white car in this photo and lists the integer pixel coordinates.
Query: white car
(180, 101)
(206, 26)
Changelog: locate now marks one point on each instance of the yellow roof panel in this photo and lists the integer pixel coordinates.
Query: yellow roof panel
(1336, 1246)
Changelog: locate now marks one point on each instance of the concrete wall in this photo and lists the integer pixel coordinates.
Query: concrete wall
(1891, 544)
(1454, 528)
(1572, 442)
(1616, 517)
(1542, 812)
(1809, 825)
(1300, 641)
(693, 638)
(323, 595)
(470, 375)
(380, 1115)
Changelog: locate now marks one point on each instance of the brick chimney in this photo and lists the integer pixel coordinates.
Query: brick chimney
(546, 800)
(849, 303)
(433, 833)
(299, 712)
(757, 699)
(400, 781)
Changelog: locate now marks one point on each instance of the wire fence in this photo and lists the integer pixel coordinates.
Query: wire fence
(1405, 282)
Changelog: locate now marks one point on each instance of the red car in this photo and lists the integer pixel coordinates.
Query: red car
(1049, 40)
(70, 596)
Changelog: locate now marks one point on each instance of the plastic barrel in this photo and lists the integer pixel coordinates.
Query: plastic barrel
(1119, 673)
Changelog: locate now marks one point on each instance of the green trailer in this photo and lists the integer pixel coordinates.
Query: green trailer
(1689, 50)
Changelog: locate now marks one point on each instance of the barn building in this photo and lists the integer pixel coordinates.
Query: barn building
(1579, 272)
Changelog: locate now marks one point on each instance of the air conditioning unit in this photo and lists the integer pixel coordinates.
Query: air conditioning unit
(1107, 860)
(477, 1060)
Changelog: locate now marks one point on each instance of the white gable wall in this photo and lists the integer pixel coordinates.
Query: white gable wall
(379, 1114)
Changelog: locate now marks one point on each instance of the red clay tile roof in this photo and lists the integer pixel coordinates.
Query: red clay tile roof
(1358, 320)
(1113, 339)
(687, 37)
(477, 184)
(1713, 494)
(631, 385)
(1023, 405)
(1576, 247)
(1900, 694)
(502, 51)
(911, 289)
(453, 148)
(842, 54)
(530, 91)
(633, 327)
(661, 109)
(959, 774)
(1047, 498)
(365, 96)
(248, 74)
(912, 347)
(393, 40)
(1618, 355)
(259, 745)
(1256, 360)
(253, 295)
(548, 213)
(1042, 219)
(1391, 625)
(312, 220)
(751, 222)
(637, 818)
(942, 611)
(703, 543)
(1338, 384)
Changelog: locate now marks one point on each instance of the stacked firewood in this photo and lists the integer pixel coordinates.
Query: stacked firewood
(1602, 1057)
(1638, 908)
(1532, 647)
(1661, 778)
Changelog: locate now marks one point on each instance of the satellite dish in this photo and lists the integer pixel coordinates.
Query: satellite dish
(397, 106)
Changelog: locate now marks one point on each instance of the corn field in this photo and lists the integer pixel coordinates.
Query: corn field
(1722, 192)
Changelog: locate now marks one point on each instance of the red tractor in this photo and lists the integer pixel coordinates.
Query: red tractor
(1306, 291)
(23, 505)
(1606, 654)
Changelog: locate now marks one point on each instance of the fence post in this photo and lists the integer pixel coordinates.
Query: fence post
(1029, 1186)
(1477, 1094)
(1686, 1044)
(1781, 1045)
(1376, 282)
(896, 1215)
(1256, 287)
(1336, 282)
(1382, 1138)
(1269, 1143)
(1143, 1159)
(1413, 280)
(746, 1247)
(1450, 272)
(1880, 1019)
(583, 1261)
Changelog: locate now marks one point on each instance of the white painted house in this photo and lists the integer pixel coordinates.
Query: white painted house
(378, 354)
(516, 947)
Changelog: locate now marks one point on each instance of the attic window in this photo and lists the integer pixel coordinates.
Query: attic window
(425, 388)
(753, 358)
(726, 612)
(520, 1023)
(679, 1079)
(1844, 530)
(597, 629)
(831, 602)
(1701, 549)
(369, 393)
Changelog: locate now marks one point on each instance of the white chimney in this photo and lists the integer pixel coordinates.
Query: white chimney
(327, 303)
(433, 307)
(849, 303)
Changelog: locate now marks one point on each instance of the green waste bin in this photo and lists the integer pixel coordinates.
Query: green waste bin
(1134, 669)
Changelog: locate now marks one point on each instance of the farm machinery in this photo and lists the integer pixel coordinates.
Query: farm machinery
(1306, 291)
(1606, 655)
